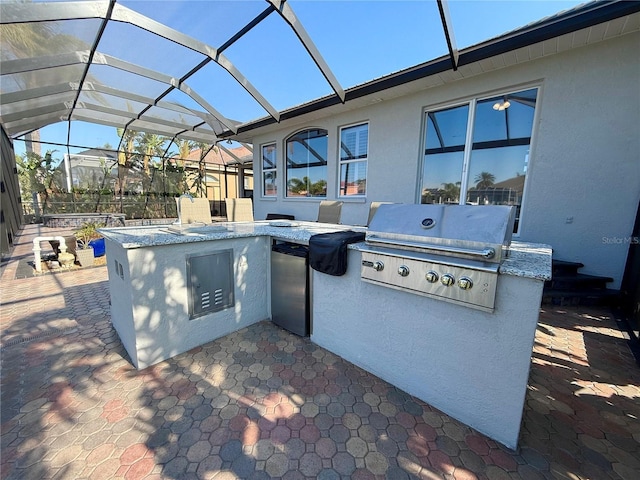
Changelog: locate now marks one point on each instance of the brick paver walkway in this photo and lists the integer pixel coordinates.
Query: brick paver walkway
(262, 403)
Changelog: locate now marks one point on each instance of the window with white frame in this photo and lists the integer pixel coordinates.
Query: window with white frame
(354, 152)
(306, 157)
(477, 152)
(269, 170)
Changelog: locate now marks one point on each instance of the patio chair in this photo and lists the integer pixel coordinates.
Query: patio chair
(239, 209)
(373, 208)
(193, 210)
(329, 211)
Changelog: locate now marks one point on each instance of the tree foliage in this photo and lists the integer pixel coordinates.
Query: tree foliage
(484, 180)
(306, 187)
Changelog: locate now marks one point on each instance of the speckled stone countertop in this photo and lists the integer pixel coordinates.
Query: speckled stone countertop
(156, 235)
(530, 260)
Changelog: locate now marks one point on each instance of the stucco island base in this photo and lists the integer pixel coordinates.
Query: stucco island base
(469, 364)
(149, 301)
(472, 365)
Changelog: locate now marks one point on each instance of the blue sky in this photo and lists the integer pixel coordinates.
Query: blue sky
(359, 39)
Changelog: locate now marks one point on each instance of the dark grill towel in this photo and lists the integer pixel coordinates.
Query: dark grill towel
(328, 251)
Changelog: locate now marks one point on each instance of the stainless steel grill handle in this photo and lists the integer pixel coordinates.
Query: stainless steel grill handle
(485, 253)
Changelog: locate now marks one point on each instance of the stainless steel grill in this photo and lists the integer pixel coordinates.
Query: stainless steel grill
(449, 252)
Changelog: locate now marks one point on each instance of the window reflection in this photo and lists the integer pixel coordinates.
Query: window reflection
(444, 155)
(498, 154)
(269, 171)
(354, 148)
(307, 164)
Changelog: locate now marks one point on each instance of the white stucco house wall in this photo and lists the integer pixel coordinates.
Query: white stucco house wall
(582, 187)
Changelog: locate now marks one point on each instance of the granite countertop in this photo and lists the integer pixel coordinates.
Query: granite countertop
(156, 235)
(530, 260)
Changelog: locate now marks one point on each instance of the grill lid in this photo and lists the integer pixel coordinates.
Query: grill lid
(468, 231)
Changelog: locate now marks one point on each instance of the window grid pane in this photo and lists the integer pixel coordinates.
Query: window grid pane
(499, 153)
(354, 148)
(307, 163)
(269, 171)
(353, 178)
(444, 155)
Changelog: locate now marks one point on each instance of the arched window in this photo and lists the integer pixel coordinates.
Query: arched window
(307, 163)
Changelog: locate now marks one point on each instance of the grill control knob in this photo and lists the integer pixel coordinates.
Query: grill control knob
(465, 283)
(378, 266)
(448, 280)
(403, 270)
(431, 276)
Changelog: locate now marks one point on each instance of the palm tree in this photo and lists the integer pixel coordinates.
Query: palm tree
(199, 175)
(174, 166)
(484, 180)
(318, 188)
(39, 174)
(296, 185)
(126, 154)
(185, 147)
(149, 145)
(451, 192)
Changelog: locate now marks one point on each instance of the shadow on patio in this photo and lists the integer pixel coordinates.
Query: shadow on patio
(262, 403)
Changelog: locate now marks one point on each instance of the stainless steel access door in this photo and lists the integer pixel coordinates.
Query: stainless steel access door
(210, 282)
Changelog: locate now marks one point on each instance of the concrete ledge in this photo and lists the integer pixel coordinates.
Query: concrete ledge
(64, 220)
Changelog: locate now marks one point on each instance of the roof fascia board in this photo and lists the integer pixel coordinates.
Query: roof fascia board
(589, 16)
(51, 12)
(287, 13)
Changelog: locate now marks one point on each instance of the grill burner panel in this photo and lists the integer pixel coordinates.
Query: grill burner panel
(474, 288)
(448, 252)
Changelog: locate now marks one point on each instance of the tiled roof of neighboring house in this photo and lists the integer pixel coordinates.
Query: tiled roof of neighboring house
(220, 155)
(96, 152)
(515, 183)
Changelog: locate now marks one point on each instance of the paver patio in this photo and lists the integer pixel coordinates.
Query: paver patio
(263, 403)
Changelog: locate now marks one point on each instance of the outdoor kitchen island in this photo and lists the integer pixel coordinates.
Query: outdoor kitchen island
(471, 364)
